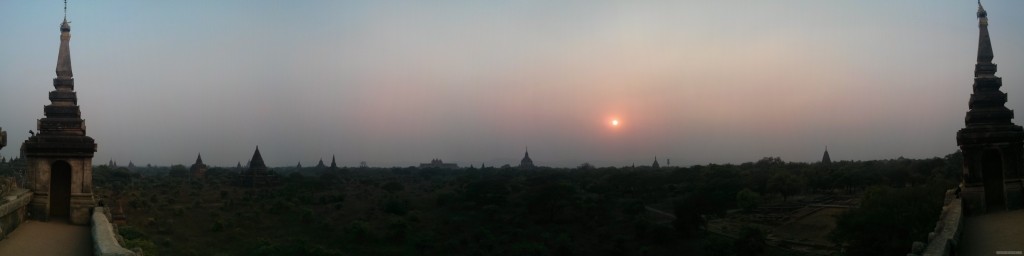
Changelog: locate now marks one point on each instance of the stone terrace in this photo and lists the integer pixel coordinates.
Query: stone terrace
(999, 233)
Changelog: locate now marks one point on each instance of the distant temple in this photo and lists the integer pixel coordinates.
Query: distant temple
(258, 175)
(992, 145)
(198, 169)
(825, 159)
(526, 162)
(437, 163)
(334, 164)
(656, 164)
(320, 165)
(60, 154)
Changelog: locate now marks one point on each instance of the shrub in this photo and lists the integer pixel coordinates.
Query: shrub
(129, 232)
(396, 206)
(392, 187)
(748, 200)
(359, 231)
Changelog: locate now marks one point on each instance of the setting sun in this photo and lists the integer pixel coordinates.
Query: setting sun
(615, 122)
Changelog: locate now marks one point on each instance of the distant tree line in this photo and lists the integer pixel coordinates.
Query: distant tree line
(507, 211)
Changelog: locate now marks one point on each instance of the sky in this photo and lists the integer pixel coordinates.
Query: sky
(397, 83)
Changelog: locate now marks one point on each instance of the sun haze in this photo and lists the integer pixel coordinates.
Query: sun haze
(396, 84)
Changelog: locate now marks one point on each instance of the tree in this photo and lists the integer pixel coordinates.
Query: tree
(688, 218)
(488, 191)
(178, 171)
(785, 184)
(748, 200)
(750, 241)
(393, 187)
(889, 220)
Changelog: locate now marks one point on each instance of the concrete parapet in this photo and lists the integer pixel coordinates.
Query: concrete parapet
(103, 237)
(944, 239)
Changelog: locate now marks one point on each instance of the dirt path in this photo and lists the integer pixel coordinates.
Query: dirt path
(47, 238)
(673, 216)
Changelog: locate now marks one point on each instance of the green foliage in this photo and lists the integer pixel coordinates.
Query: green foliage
(218, 226)
(889, 219)
(633, 207)
(657, 233)
(148, 247)
(299, 247)
(717, 246)
(396, 206)
(785, 184)
(129, 232)
(397, 230)
(487, 211)
(178, 171)
(748, 200)
(750, 241)
(392, 187)
(688, 216)
(359, 231)
(488, 191)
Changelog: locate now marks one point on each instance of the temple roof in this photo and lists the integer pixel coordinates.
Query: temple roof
(257, 161)
(526, 162)
(199, 159)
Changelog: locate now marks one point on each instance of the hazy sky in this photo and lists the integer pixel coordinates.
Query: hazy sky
(396, 83)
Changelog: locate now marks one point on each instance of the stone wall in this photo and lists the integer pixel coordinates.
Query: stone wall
(104, 238)
(13, 210)
(944, 239)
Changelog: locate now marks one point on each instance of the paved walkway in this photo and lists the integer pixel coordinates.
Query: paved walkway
(47, 238)
(998, 233)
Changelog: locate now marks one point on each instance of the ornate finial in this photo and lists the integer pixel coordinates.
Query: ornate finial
(64, 26)
(981, 11)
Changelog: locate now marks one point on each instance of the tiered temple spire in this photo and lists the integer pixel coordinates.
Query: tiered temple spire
(63, 122)
(256, 164)
(526, 162)
(258, 174)
(991, 144)
(198, 169)
(63, 115)
(826, 159)
(987, 104)
(60, 151)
